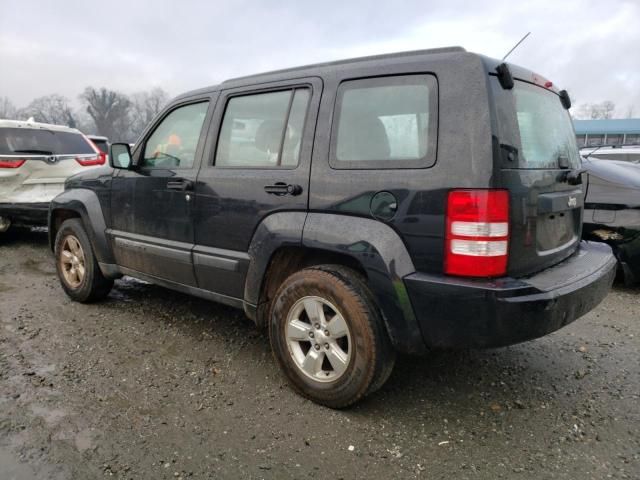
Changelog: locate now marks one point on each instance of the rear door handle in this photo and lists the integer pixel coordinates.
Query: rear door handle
(281, 188)
(181, 184)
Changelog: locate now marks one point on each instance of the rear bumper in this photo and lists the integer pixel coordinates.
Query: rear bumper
(457, 313)
(25, 213)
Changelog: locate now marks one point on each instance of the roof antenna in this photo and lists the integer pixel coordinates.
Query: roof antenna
(516, 45)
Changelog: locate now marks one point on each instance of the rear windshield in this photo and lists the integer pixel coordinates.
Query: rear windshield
(546, 131)
(29, 141)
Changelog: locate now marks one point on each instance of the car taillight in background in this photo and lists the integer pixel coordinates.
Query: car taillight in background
(11, 162)
(477, 236)
(100, 158)
(91, 160)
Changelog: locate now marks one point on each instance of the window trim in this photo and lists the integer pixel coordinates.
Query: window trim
(247, 93)
(427, 161)
(170, 109)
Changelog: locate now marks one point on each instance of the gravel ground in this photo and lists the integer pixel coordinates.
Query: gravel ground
(153, 384)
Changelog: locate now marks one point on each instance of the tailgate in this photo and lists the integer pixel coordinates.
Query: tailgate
(538, 156)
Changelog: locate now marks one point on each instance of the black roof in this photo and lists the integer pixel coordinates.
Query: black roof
(314, 69)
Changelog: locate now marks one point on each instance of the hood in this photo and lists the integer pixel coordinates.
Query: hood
(87, 177)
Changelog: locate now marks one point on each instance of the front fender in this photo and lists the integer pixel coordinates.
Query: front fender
(386, 261)
(86, 205)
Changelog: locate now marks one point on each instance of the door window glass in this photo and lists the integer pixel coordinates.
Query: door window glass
(253, 132)
(173, 143)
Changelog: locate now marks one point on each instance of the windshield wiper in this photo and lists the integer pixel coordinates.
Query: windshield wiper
(36, 151)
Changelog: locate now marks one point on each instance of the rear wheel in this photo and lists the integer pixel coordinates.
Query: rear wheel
(77, 267)
(327, 335)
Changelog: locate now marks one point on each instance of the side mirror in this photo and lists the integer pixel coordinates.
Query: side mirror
(120, 156)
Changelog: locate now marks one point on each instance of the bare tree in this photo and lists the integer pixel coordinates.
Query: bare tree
(53, 109)
(109, 111)
(629, 112)
(8, 110)
(145, 106)
(593, 111)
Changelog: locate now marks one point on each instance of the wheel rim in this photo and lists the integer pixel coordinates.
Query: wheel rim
(318, 338)
(72, 261)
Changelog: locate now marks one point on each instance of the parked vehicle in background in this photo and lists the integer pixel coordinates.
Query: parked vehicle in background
(612, 210)
(101, 142)
(316, 200)
(607, 152)
(35, 161)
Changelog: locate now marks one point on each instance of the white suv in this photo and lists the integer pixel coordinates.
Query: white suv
(35, 161)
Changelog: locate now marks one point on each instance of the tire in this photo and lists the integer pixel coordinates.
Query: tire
(89, 287)
(345, 367)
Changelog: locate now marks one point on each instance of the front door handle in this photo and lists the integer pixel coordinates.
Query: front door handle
(182, 184)
(281, 188)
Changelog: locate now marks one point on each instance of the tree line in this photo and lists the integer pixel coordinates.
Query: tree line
(102, 111)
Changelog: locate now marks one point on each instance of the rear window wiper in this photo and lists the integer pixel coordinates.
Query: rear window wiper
(36, 151)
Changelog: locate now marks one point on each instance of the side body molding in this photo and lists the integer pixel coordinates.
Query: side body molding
(86, 204)
(385, 259)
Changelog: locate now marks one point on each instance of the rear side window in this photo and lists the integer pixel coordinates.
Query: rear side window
(546, 130)
(31, 141)
(263, 130)
(386, 122)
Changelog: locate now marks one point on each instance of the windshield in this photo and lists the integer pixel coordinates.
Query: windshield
(546, 131)
(30, 141)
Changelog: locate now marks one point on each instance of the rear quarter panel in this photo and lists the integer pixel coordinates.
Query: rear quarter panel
(463, 157)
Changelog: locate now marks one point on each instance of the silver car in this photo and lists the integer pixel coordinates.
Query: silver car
(35, 161)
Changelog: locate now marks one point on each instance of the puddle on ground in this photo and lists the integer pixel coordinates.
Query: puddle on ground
(46, 369)
(126, 284)
(84, 440)
(12, 469)
(50, 415)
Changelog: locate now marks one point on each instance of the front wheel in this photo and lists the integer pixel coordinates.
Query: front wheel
(327, 334)
(77, 267)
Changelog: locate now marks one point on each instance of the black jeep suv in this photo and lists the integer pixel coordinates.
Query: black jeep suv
(357, 208)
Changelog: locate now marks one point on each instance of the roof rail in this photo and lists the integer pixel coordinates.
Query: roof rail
(431, 51)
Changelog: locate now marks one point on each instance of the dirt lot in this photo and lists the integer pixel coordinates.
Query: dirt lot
(154, 384)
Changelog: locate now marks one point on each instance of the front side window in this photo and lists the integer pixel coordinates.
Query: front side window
(263, 130)
(386, 122)
(174, 142)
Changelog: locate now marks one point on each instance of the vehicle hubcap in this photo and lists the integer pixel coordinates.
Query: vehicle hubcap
(72, 263)
(318, 338)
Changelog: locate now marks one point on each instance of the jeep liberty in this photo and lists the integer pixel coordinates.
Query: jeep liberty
(352, 209)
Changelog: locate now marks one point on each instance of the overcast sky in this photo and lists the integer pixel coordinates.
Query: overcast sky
(591, 48)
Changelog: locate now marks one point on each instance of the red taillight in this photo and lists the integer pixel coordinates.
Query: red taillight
(89, 161)
(477, 237)
(11, 162)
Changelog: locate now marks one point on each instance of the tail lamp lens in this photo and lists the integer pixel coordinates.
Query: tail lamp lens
(477, 237)
(11, 162)
(89, 161)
